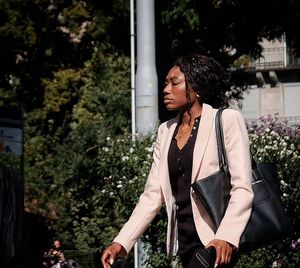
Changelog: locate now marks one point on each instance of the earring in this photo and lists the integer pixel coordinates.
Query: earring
(198, 96)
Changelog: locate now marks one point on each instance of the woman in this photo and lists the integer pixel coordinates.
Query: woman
(186, 151)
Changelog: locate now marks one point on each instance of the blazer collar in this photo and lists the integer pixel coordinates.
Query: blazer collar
(164, 170)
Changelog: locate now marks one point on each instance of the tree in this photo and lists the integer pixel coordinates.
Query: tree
(226, 29)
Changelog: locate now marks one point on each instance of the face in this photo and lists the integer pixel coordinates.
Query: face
(57, 244)
(175, 91)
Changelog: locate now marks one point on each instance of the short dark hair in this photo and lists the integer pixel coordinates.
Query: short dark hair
(206, 77)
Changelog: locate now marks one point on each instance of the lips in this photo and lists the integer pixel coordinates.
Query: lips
(167, 100)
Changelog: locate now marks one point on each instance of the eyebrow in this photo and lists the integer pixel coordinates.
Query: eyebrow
(172, 78)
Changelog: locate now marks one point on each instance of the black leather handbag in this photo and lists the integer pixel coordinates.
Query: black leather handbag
(268, 222)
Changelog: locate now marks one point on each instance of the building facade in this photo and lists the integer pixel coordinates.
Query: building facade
(277, 84)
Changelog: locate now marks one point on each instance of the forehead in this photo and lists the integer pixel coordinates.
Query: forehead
(175, 73)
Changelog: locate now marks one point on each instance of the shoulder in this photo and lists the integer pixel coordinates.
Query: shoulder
(167, 124)
(232, 115)
(233, 121)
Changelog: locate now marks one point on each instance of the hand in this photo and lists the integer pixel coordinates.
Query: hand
(110, 253)
(224, 251)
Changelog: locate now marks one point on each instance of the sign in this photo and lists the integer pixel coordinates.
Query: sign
(11, 134)
(7, 147)
(11, 140)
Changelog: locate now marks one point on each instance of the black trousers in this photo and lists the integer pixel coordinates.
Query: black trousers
(190, 259)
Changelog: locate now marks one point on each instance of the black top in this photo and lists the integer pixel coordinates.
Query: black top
(180, 170)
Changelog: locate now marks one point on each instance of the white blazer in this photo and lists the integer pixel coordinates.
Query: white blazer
(205, 162)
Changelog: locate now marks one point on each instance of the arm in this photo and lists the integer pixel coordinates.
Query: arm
(150, 202)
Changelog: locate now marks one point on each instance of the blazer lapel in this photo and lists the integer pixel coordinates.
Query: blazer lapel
(204, 132)
(163, 166)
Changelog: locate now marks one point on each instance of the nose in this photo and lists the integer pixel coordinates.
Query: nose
(166, 89)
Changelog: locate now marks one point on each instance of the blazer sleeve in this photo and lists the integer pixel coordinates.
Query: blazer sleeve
(238, 153)
(149, 204)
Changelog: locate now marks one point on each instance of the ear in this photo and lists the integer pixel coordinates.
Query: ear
(192, 91)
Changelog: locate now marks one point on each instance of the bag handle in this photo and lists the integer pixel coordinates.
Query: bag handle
(223, 162)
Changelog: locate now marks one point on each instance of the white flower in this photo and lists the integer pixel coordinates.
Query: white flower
(283, 183)
(108, 138)
(292, 146)
(105, 149)
(227, 94)
(149, 149)
(131, 150)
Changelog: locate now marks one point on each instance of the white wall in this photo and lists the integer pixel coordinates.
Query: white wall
(284, 100)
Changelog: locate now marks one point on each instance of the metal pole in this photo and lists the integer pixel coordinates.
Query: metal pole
(285, 51)
(132, 56)
(146, 77)
(146, 85)
(133, 124)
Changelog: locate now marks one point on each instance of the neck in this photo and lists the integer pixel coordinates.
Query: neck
(188, 117)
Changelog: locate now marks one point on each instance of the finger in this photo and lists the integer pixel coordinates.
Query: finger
(218, 256)
(229, 255)
(223, 255)
(107, 258)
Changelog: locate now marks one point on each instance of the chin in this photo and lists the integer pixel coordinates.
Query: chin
(170, 108)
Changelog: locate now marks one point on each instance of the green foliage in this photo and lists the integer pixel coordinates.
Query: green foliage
(218, 27)
(72, 98)
(102, 184)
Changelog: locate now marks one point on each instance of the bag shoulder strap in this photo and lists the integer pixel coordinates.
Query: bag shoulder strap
(223, 162)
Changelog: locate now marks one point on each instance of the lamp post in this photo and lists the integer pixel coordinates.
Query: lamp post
(144, 96)
(146, 76)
